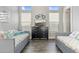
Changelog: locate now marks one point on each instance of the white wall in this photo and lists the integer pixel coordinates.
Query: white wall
(75, 18)
(66, 19)
(12, 21)
(60, 26)
(36, 10)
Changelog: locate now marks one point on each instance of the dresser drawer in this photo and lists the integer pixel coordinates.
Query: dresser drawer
(39, 33)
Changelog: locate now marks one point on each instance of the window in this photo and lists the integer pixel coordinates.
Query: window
(53, 19)
(26, 18)
(26, 8)
(54, 8)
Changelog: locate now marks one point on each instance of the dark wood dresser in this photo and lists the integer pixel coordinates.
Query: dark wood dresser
(40, 32)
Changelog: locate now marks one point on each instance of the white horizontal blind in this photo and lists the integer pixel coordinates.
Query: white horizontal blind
(53, 23)
(26, 21)
(54, 17)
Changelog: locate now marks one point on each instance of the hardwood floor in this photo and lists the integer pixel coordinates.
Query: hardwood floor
(41, 46)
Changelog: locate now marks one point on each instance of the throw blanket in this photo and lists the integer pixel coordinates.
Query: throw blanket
(11, 34)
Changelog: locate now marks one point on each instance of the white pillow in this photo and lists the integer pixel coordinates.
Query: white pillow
(74, 34)
(77, 37)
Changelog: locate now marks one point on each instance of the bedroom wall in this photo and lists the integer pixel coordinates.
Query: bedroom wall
(65, 23)
(12, 20)
(67, 19)
(75, 18)
(36, 10)
(60, 26)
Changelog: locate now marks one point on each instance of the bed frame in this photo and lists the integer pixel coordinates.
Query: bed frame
(8, 46)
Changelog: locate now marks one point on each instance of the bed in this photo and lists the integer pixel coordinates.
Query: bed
(68, 43)
(14, 44)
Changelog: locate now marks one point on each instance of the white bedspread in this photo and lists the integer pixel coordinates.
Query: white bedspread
(70, 42)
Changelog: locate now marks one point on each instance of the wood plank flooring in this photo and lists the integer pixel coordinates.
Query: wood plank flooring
(41, 46)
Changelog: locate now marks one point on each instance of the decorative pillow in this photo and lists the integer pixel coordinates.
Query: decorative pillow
(74, 34)
(2, 35)
(9, 34)
(20, 33)
(77, 37)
